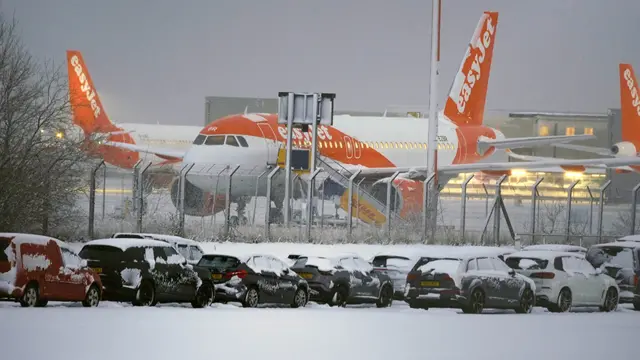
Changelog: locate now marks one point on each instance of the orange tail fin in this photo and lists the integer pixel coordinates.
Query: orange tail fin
(88, 112)
(468, 94)
(629, 105)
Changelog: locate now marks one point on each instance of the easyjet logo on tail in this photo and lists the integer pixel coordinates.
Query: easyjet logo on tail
(85, 87)
(474, 73)
(633, 90)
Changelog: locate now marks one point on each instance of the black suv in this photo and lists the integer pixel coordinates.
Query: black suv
(620, 260)
(254, 280)
(147, 272)
(344, 280)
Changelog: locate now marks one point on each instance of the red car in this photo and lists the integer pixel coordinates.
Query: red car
(35, 269)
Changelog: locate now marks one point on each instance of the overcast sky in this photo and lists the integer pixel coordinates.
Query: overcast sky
(155, 61)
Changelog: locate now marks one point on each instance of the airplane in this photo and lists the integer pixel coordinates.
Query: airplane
(89, 115)
(377, 146)
(630, 118)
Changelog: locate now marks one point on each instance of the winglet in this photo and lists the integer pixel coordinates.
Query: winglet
(629, 105)
(468, 95)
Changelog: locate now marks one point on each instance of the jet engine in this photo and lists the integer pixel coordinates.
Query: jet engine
(406, 195)
(197, 202)
(624, 148)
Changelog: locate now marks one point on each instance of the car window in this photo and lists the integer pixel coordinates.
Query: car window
(260, 263)
(215, 140)
(586, 267)
(348, 264)
(484, 264)
(199, 140)
(183, 250)
(196, 253)
(277, 265)
(500, 265)
(4, 244)
(159, 255)
(134, 254)
(569, 263)
(70, 258)
(442, 266)
(362, 264)
(526, 263)
(472, 265)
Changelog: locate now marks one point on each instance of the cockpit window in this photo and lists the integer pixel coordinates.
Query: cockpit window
(231, 140)
(199, 140)
(242, 141)
(215, 140)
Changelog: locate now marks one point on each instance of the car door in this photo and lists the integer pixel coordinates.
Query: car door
(267, 279)
(71, 277)
(510, 282)
(594, 285)
(287, 280)
(487, 274)
(161, 274)
(371, 281)
(576, 279)
(183, 276)
(357, 279)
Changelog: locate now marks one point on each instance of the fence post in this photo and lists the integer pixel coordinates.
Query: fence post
(425, 206)
(534, 205)
(267, 212)
(310, 206)
(350, 203)
(601, 208)
(463, 206)
(255, 202)
(181, 199)
(134, 190)
(227, 217)
(92, 199)
(591, 200)
(634, 202)
(140, 199)
(389, 187)
(496, 211)
(569, 203)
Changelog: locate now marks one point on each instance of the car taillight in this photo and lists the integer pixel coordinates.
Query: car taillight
(241, 274)
(446, 277)
(412, 276)
(543, 275)
(635, 280)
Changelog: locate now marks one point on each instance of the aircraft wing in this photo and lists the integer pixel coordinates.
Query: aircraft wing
(589, 149)
(418, 172)
(541, 158)
(167, 154)
(524, 142)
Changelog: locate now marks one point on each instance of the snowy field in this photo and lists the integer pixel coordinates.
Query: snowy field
(119, 331)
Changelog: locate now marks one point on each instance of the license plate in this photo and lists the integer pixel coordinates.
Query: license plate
(430, 283)
(216, 276)
(97, 270)
(306, 275)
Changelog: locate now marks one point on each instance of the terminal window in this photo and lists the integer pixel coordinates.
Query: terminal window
(570, 131)
(543, 131)
(588, 131)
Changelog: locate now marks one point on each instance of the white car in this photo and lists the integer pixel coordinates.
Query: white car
(565, 280)
(556, 247)
(188, 248)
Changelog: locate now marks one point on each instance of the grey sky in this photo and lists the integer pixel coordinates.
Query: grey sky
(155, 61)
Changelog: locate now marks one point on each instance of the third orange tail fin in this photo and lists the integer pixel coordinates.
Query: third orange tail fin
(87, 109)
(629, 105)
(468, 94)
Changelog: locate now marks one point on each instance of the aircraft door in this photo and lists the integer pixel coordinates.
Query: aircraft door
(348, 145)
(271, 144)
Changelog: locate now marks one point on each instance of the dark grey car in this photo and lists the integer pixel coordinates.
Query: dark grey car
(253, 280)
(621, 261)
(344, 280)
(471, 283)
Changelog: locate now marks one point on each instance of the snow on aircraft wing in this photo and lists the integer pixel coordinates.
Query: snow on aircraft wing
(419, 171)
(542, 158)
(167, 154)
(524, 142)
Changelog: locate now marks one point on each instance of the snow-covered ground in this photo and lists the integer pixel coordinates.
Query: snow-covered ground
(115, 331)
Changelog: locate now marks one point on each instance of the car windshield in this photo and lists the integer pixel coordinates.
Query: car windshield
(618, 256)
(526, 263)
(442, 265)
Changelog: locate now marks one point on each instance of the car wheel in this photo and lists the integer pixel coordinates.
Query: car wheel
(251, 298)
(527, 301)
(610, 300)
(386, 297)
(564, 301)
(204, 296)
(30, 296)
(145, 295)
(299, 299)
(338, 297)
(92, 299)
(476, 303)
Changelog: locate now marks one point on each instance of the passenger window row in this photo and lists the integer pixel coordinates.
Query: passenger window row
(322, 144)
(232, 140)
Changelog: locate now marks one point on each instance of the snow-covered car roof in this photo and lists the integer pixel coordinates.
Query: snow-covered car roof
(125, 243)
(21, 238)
(624, 244)
(555, 247)
(630, 238)
(544, 254)
(163, 237)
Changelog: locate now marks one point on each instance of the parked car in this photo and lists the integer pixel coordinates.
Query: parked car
(35, 269)
(188, 248)
(397, 267)
(556, 247)
(146, 272)
(565, 280)
(471, 282)
(621, 261)
(254, 280)
(343, 280)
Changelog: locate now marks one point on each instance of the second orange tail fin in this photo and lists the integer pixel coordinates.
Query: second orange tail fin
(629, 105)
(468, 94)
(88, 112)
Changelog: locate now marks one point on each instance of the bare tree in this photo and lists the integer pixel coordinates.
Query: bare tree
(39, 160)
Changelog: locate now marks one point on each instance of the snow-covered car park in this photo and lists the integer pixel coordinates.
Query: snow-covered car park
(357, 308)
